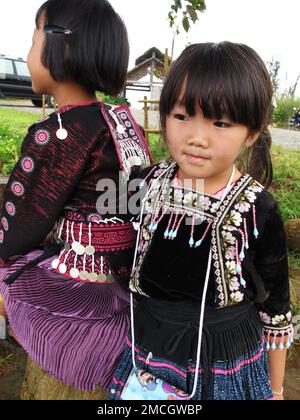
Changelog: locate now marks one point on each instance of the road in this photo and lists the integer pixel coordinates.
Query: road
(281, 137)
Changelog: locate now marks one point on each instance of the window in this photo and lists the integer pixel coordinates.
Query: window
(22, 69)
(6, 67)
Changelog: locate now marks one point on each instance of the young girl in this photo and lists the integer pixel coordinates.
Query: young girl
(62, 302)
(210, 272)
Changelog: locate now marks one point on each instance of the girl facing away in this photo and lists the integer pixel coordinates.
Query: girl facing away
(210, 277)
(60, 296)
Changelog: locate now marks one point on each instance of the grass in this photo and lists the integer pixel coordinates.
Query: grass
(5, 360)
(286, 185)
(17, 121)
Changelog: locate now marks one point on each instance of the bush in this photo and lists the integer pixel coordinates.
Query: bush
(10, 145)
(284, 110)
(118, 100)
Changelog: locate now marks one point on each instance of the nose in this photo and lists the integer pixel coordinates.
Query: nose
(198, 137)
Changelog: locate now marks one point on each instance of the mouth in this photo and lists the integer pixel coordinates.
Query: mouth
(196, 158)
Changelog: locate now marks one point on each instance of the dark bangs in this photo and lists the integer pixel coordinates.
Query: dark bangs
(225, 79)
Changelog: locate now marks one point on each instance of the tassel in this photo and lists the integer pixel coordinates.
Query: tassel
(246, 234)
(167, 231)
(255, 231)
(176, 228)
(199, 243)
(192, 242)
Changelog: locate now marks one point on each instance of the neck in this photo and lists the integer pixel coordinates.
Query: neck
(68, 93)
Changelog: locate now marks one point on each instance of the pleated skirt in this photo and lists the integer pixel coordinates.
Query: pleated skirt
(74, 331)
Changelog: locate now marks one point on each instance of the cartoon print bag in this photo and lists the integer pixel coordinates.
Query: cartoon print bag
(142, 385)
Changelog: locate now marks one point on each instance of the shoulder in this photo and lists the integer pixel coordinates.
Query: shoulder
(83, 125)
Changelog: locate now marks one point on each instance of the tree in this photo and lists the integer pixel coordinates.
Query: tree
(190, 10)
(274, 67)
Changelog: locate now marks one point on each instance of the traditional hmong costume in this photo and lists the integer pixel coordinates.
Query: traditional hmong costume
(246, 302)
(62, 301)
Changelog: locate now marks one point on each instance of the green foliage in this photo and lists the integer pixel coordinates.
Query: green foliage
(117, 100)
(294, 260)
(286, 184)
(10, 145)
(189, 13)
(284, 110)
(158, 148)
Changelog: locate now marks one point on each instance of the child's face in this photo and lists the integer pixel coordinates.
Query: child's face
(40, 75)
(204, 148)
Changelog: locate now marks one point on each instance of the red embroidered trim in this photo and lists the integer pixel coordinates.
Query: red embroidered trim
(105, 238)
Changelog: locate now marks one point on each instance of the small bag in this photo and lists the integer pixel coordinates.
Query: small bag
(142, 385)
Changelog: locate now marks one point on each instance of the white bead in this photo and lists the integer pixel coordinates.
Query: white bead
(120, 129)
(61, 134)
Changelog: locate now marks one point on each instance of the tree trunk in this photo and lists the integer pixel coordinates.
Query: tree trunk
(293, 234)
(38, 385)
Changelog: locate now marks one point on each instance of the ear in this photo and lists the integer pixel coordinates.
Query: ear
(251, 139)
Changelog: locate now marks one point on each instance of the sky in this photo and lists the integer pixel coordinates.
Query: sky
(271, 27)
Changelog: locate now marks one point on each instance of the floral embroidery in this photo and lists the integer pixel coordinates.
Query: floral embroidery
(264, 318)
(204, 202)
(244, 201)
(236, 297)
(10, 208)
(42, 137)
(17, 188)
(234, 219)
(190, 199)
(228, 244)
(1, 237)
(27, 164)
(4, 223)
(277, 321)
(230, 274)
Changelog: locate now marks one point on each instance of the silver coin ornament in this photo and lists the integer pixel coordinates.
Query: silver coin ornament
(84, 275)
(63, 268)
(80, 250)
(55, 263)
(102, 278)
(61, 134)
(75, 246)
(74, 273)
(90, 250)
(93, 277)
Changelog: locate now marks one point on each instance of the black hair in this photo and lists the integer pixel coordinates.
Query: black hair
(96, 54)
(225, 79)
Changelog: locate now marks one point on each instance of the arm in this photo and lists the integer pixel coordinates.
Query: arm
(40, 184)
(271, 262)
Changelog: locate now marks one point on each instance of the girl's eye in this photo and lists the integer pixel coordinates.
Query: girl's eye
(222, 124)
(181, 117)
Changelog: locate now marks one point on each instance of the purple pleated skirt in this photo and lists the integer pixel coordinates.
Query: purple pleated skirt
(75, 331)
